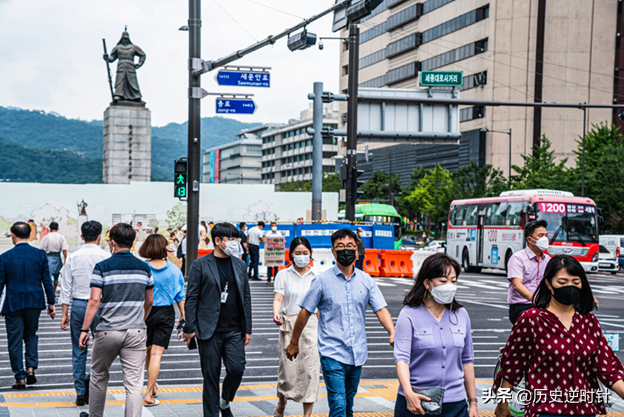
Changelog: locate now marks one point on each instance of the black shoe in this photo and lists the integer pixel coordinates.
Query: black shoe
(86, 394)
(84, 414)
(30, 378)
(256, 279)
(80, 400)
(227, 412)
(19, 385)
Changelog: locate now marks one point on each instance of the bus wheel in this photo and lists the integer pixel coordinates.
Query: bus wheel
(466, 263)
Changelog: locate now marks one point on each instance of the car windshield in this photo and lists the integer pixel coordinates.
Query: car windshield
(569, 222)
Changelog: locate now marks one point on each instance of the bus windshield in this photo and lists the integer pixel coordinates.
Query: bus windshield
(394, 221)
(569, 222)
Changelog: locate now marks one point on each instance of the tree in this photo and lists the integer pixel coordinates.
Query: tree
(331, 183)
(433, 195)
(541, 170)
(378, 187)
(473, 181)
(176, 217)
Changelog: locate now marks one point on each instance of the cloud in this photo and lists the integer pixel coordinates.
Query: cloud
(52, 55)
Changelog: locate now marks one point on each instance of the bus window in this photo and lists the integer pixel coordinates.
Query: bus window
(514, 214)
(457, 215)
(500, 214)
(489, 210)
(472, 215)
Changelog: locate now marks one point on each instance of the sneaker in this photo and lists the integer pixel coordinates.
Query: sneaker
(80, 400)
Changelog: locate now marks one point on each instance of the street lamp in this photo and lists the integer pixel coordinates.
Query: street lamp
(485, 129)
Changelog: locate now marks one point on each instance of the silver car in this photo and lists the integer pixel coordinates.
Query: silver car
(607, 261)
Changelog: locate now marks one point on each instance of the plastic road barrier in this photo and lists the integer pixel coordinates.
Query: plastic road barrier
(396, 263)
(203, 252)
(418, 257)
(372, 262)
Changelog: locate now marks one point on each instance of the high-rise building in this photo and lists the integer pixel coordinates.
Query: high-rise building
(237, 162)
(287, 149)
(564, 51)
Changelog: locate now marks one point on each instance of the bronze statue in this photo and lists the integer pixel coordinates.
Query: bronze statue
(126, 83)
(82, 206)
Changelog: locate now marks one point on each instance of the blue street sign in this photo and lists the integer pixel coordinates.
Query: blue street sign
(244, 79)
(235, 106)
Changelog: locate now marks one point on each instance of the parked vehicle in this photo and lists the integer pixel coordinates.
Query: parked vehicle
(615, 245)
(408, 244)
(438, 246)
(607, 261)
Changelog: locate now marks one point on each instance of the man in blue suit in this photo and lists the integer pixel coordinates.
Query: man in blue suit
(25, 272)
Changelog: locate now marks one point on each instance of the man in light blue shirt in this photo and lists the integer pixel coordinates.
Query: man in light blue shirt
(341, 295)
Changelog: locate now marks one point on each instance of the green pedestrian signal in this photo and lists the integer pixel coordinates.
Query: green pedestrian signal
(180, 179)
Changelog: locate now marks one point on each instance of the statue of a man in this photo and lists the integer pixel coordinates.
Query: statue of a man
(126, 83)
(82, 206)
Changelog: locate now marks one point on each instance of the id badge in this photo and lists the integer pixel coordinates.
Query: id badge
(224, 296)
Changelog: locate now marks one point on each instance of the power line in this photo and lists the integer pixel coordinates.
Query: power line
(236, 21)
(277, 10)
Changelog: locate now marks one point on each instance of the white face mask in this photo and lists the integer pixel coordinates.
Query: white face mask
(274, 228)
(301, 260)
(231, 248)
(444, 294)
(542, 243)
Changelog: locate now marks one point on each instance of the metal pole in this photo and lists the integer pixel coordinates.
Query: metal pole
(354, 56)
(583, 168)
(510, 154)
(317, 153)
(194, 148)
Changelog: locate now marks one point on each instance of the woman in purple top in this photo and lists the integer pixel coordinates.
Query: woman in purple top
(432, 343)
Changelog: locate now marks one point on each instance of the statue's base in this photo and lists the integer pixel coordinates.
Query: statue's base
(127, 151)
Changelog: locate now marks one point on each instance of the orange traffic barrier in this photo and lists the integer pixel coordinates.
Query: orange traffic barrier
(286, 260)
(395, 263)
(372, 262)
(203, 252)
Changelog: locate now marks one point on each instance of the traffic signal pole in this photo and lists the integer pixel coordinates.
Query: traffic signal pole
(194, 136)
(354, 57)
(317, 153)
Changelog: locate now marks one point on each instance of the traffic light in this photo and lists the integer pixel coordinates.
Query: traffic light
(356, 183)
(361, 9)
(180, 178)
(301, 40)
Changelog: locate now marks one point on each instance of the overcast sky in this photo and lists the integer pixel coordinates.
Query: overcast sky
(51, 54)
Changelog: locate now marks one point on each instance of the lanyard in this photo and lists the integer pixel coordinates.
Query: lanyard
(226, 276)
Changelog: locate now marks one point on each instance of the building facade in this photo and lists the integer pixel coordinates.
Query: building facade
(237, 162)
(564, 51)
(287, 149)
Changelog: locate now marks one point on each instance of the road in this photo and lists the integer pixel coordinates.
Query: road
(483, 295)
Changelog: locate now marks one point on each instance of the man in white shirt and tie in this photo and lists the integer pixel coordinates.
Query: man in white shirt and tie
(76, 289)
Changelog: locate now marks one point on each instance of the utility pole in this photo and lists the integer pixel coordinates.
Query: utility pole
(317, 153)
(354, 57)
(194, 138)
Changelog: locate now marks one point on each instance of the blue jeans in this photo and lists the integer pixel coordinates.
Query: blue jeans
(55, 263)
(456, 409)
(342, 383)
(22, 325)
(79, 357)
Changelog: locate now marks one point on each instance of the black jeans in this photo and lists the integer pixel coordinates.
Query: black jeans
(21, 328)
(229, 346)
(254, 255)
(272, 272)
(515, 310)
(456, 409)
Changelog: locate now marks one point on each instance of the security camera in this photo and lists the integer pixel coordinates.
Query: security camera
(321, 45)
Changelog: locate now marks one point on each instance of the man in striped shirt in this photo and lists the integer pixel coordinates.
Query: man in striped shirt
(122, 289)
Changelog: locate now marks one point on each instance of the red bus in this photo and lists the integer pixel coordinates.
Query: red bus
(485, 232)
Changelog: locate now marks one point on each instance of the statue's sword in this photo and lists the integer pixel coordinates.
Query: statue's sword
(110, 79)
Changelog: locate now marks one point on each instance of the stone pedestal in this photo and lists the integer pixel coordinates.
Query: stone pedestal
(127, 153)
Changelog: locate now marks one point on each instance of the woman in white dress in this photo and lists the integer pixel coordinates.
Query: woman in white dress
(298, 380)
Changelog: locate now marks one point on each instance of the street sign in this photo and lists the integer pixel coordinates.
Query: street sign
(244, 79)
(180, 179)
(235, 106)
(441, 78)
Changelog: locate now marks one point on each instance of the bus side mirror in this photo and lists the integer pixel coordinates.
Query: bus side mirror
(530, 210)
(600, 221)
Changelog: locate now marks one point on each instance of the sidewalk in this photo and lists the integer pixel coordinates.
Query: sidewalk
(374, 399)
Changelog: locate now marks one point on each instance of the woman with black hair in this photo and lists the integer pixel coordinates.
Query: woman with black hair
(297, 380)
(560, 348)
(432, 343)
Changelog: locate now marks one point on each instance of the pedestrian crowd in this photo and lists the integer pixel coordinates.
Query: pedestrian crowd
(126, 305)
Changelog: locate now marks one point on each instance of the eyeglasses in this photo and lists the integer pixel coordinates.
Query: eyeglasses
(340, 246)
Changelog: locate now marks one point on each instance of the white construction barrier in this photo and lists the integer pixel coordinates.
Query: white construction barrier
(418, 257)
(323, 259)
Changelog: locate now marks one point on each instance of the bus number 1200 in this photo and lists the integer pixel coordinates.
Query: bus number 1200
(552, 207)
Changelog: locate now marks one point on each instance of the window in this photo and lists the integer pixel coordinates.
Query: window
(307, 170)
(457, 215)
(455, 24)
(401, 73)
(474, 80)
(371, 59)
(308, 156)
(394, 3)
(455, 55)
(471, 113)
(374, 83)
(372, 33)
(308, 142)
(499, 213)
(514, 214)
(345, 70)
(431, 5)
(404, 16)
(328, 141)
(403, 45)
(290, 146)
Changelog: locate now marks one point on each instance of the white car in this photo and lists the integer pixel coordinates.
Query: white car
(438, 246)
(607, 261)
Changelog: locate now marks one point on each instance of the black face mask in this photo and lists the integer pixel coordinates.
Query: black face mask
(345, 257)
(568, 295)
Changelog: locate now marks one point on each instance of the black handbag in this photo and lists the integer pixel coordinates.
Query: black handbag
(433, 407)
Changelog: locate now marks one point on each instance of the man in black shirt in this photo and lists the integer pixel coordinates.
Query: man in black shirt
(218, 313)
(242, 226)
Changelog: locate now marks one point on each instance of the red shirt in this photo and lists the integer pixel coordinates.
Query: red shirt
(561, 364)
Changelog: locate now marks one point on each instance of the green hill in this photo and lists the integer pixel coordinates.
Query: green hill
(29, 137)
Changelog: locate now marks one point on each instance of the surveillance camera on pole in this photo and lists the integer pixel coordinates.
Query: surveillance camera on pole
(321, 45)
(301, 41)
